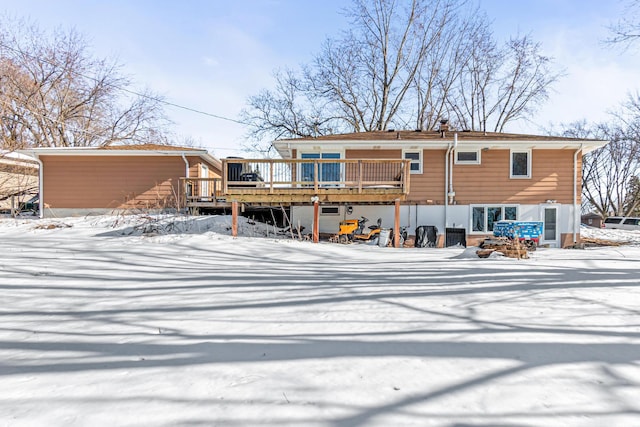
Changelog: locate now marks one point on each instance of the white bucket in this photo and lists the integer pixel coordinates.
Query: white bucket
(383, 239)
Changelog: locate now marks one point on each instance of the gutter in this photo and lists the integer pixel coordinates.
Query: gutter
(40, 185)
(575, 194)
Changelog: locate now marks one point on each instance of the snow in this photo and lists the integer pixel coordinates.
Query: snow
(624, 236)
(169, 321)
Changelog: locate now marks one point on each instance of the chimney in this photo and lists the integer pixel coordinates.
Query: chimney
(444, 127)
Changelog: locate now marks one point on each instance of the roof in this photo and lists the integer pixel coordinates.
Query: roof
(124, 150)
(17, 159)
(403, 139)
(418, 135)
(147, 147)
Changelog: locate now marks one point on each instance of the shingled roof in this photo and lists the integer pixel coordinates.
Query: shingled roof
(418, 135)
(149, 147)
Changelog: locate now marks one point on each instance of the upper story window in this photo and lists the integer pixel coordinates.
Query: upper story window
(329, 172)
(468, 157)
(520, 164)
(416, 160)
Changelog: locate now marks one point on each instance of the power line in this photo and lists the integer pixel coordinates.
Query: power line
(98, 135)
(153, 98)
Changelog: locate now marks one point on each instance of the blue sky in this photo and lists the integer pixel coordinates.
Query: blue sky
(212, 55)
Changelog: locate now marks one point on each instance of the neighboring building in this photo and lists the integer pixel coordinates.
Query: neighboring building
(88, 180)
(18, 179)
(458, 180)
(592, 220)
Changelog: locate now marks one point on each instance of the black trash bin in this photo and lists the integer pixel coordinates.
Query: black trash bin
(234, 170)
(456, 236)
(426, 236)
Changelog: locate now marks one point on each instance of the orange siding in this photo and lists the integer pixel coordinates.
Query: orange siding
(372, 172)
(373, 154)
(489, 182)
(195, 169)
(428, 187)
(112, 181)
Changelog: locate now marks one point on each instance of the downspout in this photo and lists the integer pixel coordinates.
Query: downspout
(446, 186)
(40, 185)
(186, 175)
(452, 194)
(186, 166)
(575, 194)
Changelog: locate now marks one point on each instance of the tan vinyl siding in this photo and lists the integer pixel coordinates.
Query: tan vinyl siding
(112, 181)
(371, 173)
(194, 168)
(428, 187)
(489, 182)
(372, 154)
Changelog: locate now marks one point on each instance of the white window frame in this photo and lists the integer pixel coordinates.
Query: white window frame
(528, 175)
(467, 162)
(419, 161)
(204, 185)
(341, 153)
(486, 207)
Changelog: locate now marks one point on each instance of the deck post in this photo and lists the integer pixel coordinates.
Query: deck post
(272, 165)
(316, 220)
(234, 218)
(396, 225)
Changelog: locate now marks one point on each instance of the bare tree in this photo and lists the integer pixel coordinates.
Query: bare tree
(18, 180)
(501, 85)
(626, 31)
(291, 109)
(610, 173)
(444, 62)
(407, 63)
(358, 82)
(54, 94)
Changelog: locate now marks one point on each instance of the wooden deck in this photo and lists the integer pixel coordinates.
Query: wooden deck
(279, 181)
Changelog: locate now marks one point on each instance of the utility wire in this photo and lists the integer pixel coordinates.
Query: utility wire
(97, 135)
(153, 98)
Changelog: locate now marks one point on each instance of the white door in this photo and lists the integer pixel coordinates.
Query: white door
(205, 192)
(551, 230)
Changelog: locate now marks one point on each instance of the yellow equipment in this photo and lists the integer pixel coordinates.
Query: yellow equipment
(353, 229)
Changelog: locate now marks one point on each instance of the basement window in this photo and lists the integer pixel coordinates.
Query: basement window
(484, 216)
(329, 210)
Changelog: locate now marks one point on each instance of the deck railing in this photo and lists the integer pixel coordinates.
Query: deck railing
(270, 175)
(201, 190)
(271, 180)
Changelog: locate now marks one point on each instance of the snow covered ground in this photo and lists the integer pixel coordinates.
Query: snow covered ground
(134, 321)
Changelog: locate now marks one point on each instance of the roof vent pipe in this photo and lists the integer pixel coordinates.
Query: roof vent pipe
(444, 127)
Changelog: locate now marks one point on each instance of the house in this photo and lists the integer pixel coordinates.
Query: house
(18, 179)
(90, 180)
(592, 219)
(457, 181)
